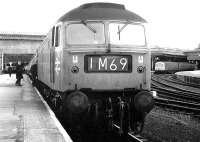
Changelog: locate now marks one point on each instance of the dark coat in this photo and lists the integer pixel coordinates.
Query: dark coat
(9, 69)
(19, 71)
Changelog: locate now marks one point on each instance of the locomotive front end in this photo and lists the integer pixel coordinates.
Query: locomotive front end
(106, 68)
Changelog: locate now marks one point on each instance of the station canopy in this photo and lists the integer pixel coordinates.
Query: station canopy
(166, 51)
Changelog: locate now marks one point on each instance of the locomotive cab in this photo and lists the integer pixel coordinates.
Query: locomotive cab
(104, 51)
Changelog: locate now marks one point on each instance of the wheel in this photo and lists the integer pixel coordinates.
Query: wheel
(57, 102)
(44, 92)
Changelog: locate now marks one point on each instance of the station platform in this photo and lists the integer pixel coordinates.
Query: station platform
(24, 116)
(189, 76)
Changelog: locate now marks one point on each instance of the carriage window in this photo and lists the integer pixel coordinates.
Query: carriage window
(86, 33)
(57, 36)
(53, 31)
(127, 34)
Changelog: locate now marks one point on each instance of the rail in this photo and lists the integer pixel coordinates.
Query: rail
(131, 137)
(176, 95)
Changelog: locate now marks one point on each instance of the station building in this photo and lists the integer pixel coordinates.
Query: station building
(166, 54)
(194, 55)
(18, 47)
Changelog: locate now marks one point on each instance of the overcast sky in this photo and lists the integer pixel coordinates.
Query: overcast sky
(171, 23)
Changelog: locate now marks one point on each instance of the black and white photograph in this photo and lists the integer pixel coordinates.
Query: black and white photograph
(99, 71)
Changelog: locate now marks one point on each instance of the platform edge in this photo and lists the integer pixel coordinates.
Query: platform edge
(57, 123)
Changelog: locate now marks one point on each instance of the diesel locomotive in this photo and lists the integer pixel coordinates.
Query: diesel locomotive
(172, 67)
(94, 67)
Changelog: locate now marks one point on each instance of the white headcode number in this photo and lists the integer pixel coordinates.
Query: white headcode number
(108, 64)
(113, 67)
(123, 62)
(102, 64)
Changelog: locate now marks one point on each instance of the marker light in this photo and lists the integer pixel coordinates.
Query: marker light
(75, 69)
(140, 69)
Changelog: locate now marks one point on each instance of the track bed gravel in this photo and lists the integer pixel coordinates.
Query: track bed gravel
(163, 125)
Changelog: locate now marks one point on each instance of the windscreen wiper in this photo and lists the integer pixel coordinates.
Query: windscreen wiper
(121, 29)
(89, 27)
(124, 26)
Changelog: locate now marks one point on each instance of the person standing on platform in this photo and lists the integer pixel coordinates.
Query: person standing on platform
(10, 70)
(19, 71)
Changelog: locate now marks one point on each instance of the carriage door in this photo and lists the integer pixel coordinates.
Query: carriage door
(55, 64)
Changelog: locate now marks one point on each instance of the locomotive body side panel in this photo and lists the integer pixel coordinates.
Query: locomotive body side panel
(58, 59)
(186, 66)
(40, 62)
(50, 60)
(44, 61)
(46, 58)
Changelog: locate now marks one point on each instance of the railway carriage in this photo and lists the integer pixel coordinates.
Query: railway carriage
(95, 63)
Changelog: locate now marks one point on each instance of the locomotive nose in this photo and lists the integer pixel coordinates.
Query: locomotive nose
(144, 101)
(77, 102)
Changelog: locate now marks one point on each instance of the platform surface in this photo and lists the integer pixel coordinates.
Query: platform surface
(195, 73)
(23, 116)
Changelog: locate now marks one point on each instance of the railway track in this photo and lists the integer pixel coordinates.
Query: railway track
(169, 93)
(176, 95)
(131, 137)
(173, 78)
(114, 135)
(189, 108)
(175, 85)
